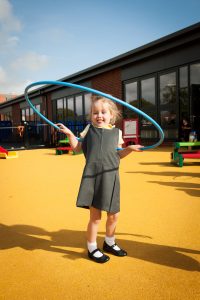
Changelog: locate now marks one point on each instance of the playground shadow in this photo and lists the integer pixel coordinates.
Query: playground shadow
(192, 189)
(169, 164)
(158, 163)
(34, 238)
(168, 173)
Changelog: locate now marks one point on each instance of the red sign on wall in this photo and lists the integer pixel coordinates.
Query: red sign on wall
(130, 131)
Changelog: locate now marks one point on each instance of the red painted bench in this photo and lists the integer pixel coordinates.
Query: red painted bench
(3, 150)
(62, 150)
(191, 155)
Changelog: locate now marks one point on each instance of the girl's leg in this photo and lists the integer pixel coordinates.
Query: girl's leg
(93, 252)
(111, 224)
(92, 228)
(109, 244)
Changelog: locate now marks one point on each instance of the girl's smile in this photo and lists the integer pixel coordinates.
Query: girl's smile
(101, 114)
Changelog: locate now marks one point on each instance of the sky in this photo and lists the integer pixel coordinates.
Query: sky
(49, 40)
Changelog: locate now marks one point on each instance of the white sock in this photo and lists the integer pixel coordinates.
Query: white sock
(92, 247)
(111, 241)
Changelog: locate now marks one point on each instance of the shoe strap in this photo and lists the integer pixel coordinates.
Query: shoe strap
(114, 246)
(94, 251)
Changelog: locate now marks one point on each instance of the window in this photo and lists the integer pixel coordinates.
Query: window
(183, 92)
(195, 95)
(148, 93)
(65, 109)
(79, 107)
(171, 133)
(6, 116)
(148, 134)
(141, 94)
(27, 114)
(87, 104)
(148, 96)
(147, 123)
(60, 110)
(37, 117)
(168, 102)
(31, 115)
(195, 74)
(70, 108)
(9, 116)
(168, 88)
(168, 117)
(183, 82)
(131, 94)
(23, 115)
(131, 97)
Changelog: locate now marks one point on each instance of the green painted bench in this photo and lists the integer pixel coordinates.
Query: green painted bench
(178, 155)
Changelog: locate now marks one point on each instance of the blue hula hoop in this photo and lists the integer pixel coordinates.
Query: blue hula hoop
(83, 88)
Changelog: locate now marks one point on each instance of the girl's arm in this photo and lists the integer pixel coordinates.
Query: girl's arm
(75, 144)
(126, 151)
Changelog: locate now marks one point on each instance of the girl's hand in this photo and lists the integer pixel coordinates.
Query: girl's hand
(64, 129)
(76, 146)
(135, 147)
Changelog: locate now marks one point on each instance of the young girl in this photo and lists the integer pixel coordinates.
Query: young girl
(99, 188)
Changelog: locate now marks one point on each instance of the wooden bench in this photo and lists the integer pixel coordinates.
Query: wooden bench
(178, 156)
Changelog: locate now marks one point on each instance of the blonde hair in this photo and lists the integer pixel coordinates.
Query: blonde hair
(116, 113)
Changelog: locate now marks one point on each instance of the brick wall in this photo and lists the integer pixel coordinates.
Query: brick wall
(109, 82)
(16, 114)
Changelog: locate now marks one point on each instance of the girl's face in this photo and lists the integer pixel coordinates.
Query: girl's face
(101, 114)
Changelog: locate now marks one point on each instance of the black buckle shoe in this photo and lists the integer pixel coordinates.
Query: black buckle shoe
(104, 258)
(110, 249)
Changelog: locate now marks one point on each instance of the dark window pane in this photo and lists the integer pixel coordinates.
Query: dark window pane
(70, 108)
(38, 107)
(183, 92)
(87, 104)
(27, 114)
(147, 123)
(131, 97)
(168, 88)
(65, 109)
(23, 115)
(168, 118)
(148, 93)
(79, 106)
(60, 109)
(195, 74)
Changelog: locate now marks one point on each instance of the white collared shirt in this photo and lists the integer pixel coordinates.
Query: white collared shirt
(109, 126)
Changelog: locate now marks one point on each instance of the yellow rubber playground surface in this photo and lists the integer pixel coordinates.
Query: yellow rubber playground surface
(42, 233)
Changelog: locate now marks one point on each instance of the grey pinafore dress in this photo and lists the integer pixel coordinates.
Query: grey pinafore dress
(100, 186)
